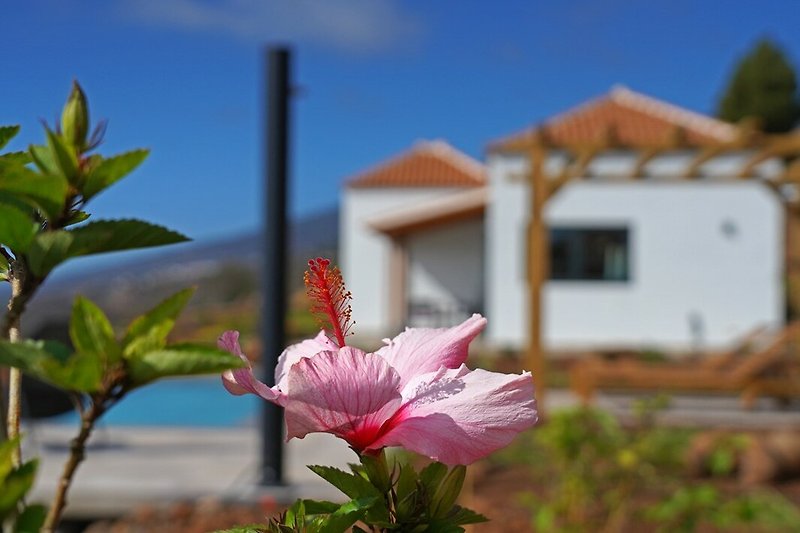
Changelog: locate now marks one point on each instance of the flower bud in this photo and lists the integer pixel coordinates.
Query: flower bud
(75, 118)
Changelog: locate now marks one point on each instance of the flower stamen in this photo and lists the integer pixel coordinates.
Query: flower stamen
(330, 300)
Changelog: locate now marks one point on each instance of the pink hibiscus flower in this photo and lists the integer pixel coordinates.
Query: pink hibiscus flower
(415, 392)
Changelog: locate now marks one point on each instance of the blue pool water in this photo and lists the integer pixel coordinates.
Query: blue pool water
(186, 402)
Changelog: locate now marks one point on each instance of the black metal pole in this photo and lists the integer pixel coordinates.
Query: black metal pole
(274, 280)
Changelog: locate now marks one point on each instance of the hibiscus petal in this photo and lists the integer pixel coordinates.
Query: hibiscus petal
(295, 352)
(457, 416)
(347, 393)
(241, 380)
(421, 350)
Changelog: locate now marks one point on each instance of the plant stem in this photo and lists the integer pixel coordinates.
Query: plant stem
(23, 286)
(77, 452)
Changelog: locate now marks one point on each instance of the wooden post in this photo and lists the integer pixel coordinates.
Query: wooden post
(537, 271)
(398, 297)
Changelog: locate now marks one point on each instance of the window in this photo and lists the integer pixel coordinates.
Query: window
(589, 254)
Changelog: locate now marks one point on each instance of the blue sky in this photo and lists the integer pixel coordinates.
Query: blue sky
(184, 77)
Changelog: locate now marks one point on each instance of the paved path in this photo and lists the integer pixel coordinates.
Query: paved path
(125, 467)
(130, 466)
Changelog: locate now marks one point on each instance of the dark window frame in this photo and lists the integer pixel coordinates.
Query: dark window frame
(584, 253)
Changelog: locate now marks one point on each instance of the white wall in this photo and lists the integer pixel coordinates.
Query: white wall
(684, 266)
(506, 219)
(365, 253)
(446, 270)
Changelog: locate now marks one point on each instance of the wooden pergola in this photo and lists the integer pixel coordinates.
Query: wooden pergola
(538, 144)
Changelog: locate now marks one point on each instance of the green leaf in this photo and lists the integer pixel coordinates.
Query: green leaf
(7, 449)
(125, 234)
(149, 331)
(15, 158)
(464, 516)
(406, 490)
(442, 526)
(320, 507)
(91, 332)
(376, 470)
(52, 362)
(29, 355)
(77, 217)
(32, 519)
(15, 486)
(48, 250)
(180, 360)
(51, 248)
(7, 133)
(352, 485)
(47, 191)
(296, 515)
(43, 158)
(64, 156)
(347, 515)
(432, 475)
(110, 170)
(448, 491)
(17, 229)
(252, 528)
(355, 487)
(80, 372)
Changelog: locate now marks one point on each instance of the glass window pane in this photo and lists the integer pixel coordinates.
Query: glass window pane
(589, 254)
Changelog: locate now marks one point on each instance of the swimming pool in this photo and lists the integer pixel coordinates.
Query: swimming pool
(184, 402)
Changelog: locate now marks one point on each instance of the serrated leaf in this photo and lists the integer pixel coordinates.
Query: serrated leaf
(352, 485)
(348, 514)
(464, 516)
(441, 526)
(51, 361)
(46, 191)
(63, 155)
(7, 133)
(15, 486)
(77, 217)
(15, 158)
(17, 229)
(125, 234)
(320, 507)
(149, 331)
(31, 520)
(180, 360)
(108, 171)
(51, 248)
(91, 332)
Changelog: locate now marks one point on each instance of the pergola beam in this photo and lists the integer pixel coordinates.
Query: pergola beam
(537, 146)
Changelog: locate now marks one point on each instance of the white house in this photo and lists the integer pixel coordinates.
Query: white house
(662, 262)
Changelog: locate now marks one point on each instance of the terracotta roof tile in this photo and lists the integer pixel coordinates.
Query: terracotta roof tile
(427, 164)
(631, 118)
